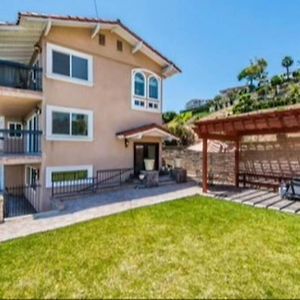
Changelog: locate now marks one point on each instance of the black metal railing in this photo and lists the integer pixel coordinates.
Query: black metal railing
(21, 200)
(20, 141)
(16, 75)
(113, 177)
(103, 179)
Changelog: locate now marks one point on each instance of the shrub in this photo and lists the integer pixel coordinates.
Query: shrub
(169, 116)
(183, 132)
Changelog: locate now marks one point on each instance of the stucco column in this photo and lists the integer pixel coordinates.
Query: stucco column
(204, 166)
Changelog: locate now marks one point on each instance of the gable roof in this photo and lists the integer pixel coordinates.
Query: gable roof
(151, 129)
(30, 26)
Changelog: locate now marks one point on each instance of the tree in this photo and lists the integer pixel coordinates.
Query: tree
(169, 116)
(255, 72)
(287, 62)
(275, 82)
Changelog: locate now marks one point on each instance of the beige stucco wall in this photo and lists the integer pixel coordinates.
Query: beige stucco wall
(14, 175)
(109, 98)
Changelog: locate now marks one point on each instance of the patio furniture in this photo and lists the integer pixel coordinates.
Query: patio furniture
(293, 190)
(151, 178)
(179, 175)
(268, 181)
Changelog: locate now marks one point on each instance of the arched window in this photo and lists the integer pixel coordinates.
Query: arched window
(153, 88)
(139, 84)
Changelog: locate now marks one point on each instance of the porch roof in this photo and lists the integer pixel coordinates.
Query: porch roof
(258, 123)
(148, 130)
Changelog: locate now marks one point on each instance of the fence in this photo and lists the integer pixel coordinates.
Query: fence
(16, 75)
(20, 141)
(21, 200)
(103, 179)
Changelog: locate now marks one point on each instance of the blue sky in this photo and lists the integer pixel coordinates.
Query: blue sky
(211, 40)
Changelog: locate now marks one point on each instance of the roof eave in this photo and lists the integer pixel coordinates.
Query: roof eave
(148, 50)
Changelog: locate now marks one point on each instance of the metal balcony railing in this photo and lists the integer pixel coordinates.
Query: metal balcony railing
(23, 142)
(16, 75)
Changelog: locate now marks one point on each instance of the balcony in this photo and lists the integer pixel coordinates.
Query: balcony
(20, 146)
(20, 88)
(20, 76)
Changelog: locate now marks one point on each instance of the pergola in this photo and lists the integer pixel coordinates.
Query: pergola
(233, 128)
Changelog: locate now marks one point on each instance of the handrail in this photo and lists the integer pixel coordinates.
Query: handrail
(17, 141)
(21, 131)
(91, 184)
(21, 76)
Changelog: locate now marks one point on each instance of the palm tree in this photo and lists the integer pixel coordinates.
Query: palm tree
(287, 62)
(256, 71)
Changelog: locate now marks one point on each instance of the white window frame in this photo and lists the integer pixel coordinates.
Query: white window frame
(50, 170)
(135, 72)
(70, 52)
(158, 86)
(146, 100)
(15, 123)
(61, 137)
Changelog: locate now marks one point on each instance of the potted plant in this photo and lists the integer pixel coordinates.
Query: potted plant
(149, 164)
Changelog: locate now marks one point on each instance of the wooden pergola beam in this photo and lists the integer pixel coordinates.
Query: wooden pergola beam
(237, 163)
(204, 166)
(219, 137)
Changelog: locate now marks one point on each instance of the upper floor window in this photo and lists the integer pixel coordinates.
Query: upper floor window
(139, 84)
(69, 124)
(69, 65)
(153, 88)
(146, 91)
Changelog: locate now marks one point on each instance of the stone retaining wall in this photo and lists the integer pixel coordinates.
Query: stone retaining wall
(220, 165)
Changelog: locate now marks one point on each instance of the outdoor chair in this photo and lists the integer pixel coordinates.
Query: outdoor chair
(293, 190)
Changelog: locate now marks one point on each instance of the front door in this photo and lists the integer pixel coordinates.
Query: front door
(145, 151)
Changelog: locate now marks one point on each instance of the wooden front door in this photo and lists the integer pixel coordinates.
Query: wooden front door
(145, 151)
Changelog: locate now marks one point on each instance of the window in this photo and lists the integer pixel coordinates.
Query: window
(146, 99)
(79, 68)
(153, 88)
(139, 84)
(119, 45)
(69, 65)
(60, 63)
(69, 124)
(102, 39)
(68, 175)
(15, 128)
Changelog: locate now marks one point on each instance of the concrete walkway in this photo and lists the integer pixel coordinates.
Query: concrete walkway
(109, 203)
(95, 206)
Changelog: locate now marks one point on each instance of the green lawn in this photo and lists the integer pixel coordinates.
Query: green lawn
(189, 248)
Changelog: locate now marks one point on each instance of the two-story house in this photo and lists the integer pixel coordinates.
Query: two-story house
(77, 95)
